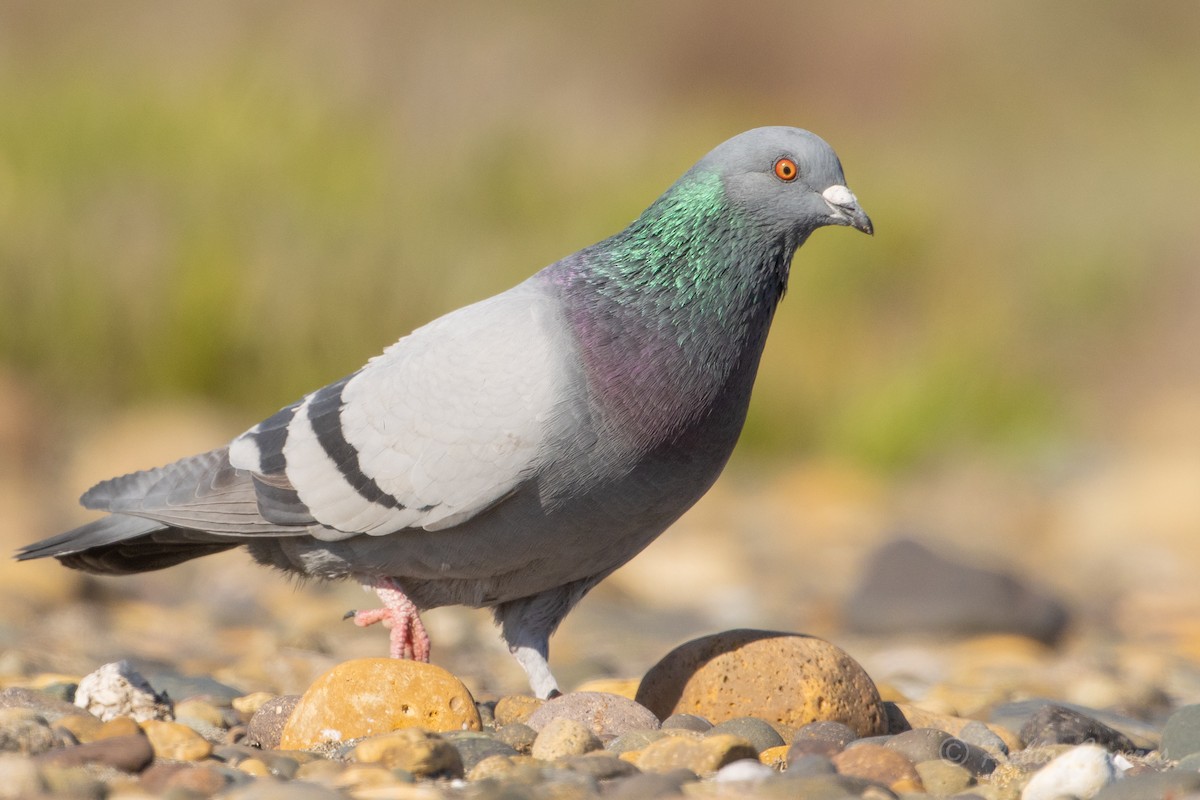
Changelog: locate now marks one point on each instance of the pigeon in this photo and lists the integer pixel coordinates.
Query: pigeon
(513, 453)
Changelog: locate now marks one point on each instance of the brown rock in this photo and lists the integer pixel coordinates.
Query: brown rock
(25, 731)
(786, 679)
(515, 708)
(126, 753)
(877, 763)
(563, 736)
(425, 755)
(175, 741)
(607, 715)
(519, 769)
(703, 756)
(163, 776)
(83, 726)
(118, 726)
(265, 728)
(370, 696)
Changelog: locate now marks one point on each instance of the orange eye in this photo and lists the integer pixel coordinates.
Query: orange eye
(785, 169)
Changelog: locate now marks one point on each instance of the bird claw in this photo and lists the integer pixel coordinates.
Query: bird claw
(408, 637)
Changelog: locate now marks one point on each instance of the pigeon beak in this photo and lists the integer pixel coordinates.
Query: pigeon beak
(846, 210)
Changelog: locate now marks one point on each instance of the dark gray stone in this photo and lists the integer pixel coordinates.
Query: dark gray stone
(980, 735)
(474, 747)
(931, 744)
(265, 728)
(1016, 714)
(687, 722)
(909, 588)
(759, 733)
(1055, 724)
(809, 764)
(127, 753)
(633, 740)
(650, 785)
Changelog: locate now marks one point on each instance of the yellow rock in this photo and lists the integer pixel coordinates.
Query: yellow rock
(524, 769)
(515, 708)
(786, 679)
(201, 710)
(877, 763)
(423, 754)
(774, 757)
(176, 742)
(702, 756)
(255, 767)
(247, 704)
(118, 726)
(83, 727)
(371, 696)
(625, 687)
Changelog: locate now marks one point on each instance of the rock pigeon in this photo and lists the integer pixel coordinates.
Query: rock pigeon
(513, 453)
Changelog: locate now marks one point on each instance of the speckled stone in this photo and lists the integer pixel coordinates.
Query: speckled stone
(1055, 724)
(757, 732)
(607, 715)
(703, 756)
(877, 763)
(518, 736)
(564, 736)
(423, 754)
(265, 728)
(370, 696)
(785, 679)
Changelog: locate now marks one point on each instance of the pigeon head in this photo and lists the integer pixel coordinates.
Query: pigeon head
(787, 180)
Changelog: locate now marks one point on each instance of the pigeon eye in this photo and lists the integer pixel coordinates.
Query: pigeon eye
(785, 169)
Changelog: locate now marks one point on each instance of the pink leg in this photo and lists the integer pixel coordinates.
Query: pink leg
(408, 636)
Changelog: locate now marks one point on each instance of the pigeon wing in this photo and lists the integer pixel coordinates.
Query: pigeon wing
(444, 424)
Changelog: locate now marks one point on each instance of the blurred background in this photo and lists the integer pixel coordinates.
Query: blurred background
(207, 210)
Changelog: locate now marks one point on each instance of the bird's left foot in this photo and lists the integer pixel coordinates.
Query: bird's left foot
(408, 636)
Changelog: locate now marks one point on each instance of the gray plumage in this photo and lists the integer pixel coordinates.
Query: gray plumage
(513, 453)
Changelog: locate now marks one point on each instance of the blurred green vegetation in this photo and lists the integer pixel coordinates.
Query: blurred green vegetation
(245, 201)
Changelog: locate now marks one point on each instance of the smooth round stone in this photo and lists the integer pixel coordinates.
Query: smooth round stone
(981, 736)
(1181, 736)
(757, 732)
(930, 744)
(265, 728)
(203, 712)
(564, 736)
(126, 753)
(810, 764)
(516, 769)
(943, 778)
(703, 756)
(474, 747)
(82, 726)
(877, 763)
(424, 754)
(606, 715)
(203, 780)
(598, 765)
(175, 741)
(650, 785)
(23, 730)
(687, 722)
(370, 696)
(1080, 772)
(518, 736)
(786, 679)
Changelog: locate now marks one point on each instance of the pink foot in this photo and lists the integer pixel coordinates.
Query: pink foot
(408, 637)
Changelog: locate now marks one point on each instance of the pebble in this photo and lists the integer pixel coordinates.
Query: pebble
(687, 722)
(785, 679)
(757, 732)
(83, 726)
(163, 777)
(651, 785)
(930, 744)
(1080, 772)
(422, 753)
(248, 704)
(599, 765)
(515, 708)
(370, 696)
(1013, 716)
(744, 771)
(810, 764)
(877, 763)
(50, 707)
(703, 756)
(473, 747)
(638, 739)
(23, 730)
(943, 778)
(1181, 736)
(908, 588)
(119, 690)
(1055, 724)
(126, 753)
(518, 736)
(606, 715)
(19, 777)
(265, 728)
(175, 741)
(564, 736)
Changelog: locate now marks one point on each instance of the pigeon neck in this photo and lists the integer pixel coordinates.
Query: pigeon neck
(672, 313)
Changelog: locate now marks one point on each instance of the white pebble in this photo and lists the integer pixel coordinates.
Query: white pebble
(119, 690)
(743, 770)
(1081, 772)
